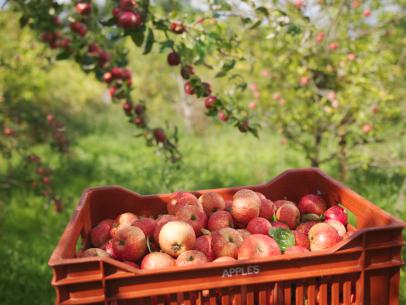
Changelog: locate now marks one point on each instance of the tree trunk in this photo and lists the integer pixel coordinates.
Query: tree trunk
(342, 159)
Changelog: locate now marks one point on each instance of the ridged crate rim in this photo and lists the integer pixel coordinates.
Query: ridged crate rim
(56, 260)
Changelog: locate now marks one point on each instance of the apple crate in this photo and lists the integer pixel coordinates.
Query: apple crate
(363, 269)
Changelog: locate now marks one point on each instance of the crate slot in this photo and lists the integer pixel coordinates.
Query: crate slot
(90, 301)
(82, 279)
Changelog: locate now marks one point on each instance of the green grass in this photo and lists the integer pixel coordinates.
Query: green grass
(29, 229)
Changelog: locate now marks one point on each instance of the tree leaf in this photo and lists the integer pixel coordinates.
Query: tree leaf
(138, 36)
(227, 66)
(108, 22)
(62, 55)
(149, 42)
(255, 25)
(263, 11)
(283, 237)
(168, 44)
(24, 20)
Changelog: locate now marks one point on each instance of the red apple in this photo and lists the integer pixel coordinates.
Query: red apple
(108, 246)
(93, 252)
(132, 264)
(219, 220)
(366, 12)
(289, 214)
(336, 213)
(278, 224)
(259, 225)
(180, 199)
(147, 225)
(83, 8)
(225, 242)
(191, 257)
(267, 209)
(157, 260)
(333, 46)
(244, 233)
(177, 237)
(296, 250)
(228, 206)
(351, 56)
(320, 37)
(258, 245)
(122, 220)
(194, 216)
(312, 204)
(129, 19)
(212, 202)
(246, 205)
(338, 226)
(305, 227)
(279, 203)
(367, 128)
(348, 234)
(127, 4)
(222, 259)
(100, 234)
(301, 239)
(129, 244)
(261, 196)
(203, 244)
(177, 27)
(316, 229)
(324, 238)
(161, 221)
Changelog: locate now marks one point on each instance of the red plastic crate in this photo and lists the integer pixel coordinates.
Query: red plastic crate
(363, 269)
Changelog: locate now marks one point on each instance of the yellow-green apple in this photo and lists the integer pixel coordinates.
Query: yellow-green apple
(177, 237)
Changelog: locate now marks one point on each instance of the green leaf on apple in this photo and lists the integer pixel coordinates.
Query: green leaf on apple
(283, 237)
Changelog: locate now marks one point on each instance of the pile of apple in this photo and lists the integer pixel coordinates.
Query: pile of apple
(210, 229)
